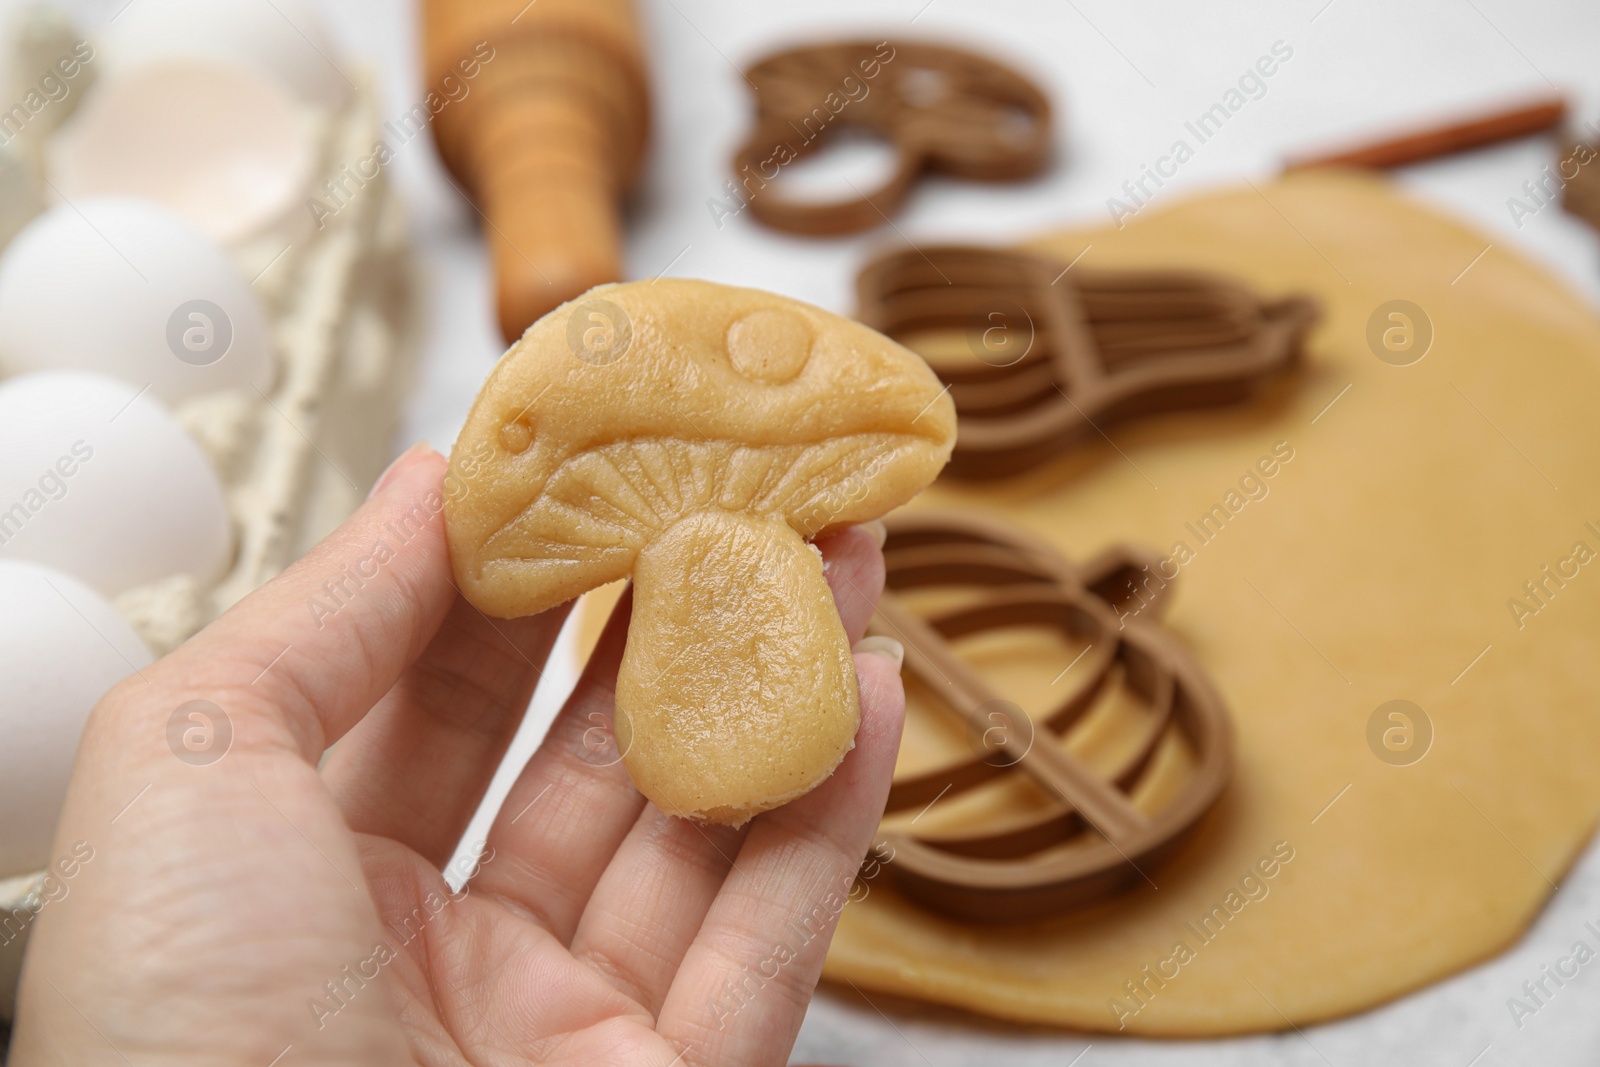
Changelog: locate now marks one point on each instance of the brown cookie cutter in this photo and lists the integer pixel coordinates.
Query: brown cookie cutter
(1580, 195)
(1050, 357)
(943, 109)
(1094, 840)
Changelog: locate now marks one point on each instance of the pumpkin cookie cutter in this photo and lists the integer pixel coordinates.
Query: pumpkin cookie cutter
(944, 109)
(1052, 357)
(1095, 840)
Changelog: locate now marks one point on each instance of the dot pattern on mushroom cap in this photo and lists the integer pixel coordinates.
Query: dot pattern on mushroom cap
(770, 345)
(516, 436)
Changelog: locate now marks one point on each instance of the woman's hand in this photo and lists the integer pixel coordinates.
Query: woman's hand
(239, 906)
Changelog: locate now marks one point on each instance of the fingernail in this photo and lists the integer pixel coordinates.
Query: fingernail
(394, 468)
(887, 647)
(876, 530)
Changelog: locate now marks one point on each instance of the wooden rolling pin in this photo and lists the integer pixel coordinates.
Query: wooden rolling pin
(547, 137)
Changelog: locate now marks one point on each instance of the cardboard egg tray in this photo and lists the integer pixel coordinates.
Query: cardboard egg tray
(296, 462)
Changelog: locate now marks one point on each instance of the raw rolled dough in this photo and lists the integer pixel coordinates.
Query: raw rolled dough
(1385, 562)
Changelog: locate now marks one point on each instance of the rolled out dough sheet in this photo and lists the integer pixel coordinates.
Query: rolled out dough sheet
(1385, 561)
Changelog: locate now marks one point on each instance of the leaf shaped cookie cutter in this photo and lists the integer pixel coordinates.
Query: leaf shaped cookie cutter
(1095, 838)
(1052, 357)
(944, 109)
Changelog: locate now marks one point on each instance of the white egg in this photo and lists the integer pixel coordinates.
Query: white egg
(61, 647)
(225, 147)
(286, 39)
(127, 288)
(100, 481)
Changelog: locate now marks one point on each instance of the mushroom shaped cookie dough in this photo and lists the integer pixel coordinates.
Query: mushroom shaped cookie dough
(695, 437)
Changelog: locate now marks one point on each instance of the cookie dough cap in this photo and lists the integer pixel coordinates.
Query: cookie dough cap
(694, 436)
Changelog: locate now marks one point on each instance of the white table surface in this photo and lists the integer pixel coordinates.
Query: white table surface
(1124, 77)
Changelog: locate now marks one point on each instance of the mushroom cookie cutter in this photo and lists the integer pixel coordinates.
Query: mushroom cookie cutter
(1036, 359)
(944, 109)
(1092, 830)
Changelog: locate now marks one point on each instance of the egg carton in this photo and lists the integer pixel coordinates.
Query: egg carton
(37, 38)
(296, 462)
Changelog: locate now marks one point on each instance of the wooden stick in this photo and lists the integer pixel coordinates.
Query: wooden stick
(1437, 141)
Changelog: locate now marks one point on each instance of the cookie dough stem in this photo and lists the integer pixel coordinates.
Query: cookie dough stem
(737, 691)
